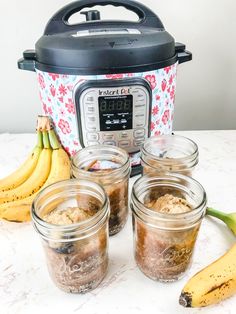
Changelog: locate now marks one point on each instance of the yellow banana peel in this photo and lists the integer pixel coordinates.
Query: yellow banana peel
(19, 210)
(212, 284)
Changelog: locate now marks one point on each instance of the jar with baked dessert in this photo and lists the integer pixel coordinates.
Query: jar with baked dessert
(109, 166)
(169, 153)
(167, 213)
(71, 218)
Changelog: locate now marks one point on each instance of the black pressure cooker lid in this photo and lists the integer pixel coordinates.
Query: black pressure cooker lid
(103, 46)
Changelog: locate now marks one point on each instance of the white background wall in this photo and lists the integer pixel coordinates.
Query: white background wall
(206, 86)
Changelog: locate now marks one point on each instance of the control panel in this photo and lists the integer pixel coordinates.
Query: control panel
(114, 112)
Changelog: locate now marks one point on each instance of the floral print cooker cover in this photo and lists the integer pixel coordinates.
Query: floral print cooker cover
(56, 95)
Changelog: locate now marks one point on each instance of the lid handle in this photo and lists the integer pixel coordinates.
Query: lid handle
(183, 55)
(91, 15)
(59, 22)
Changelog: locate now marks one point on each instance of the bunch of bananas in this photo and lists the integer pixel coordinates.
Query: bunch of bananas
(48, 163)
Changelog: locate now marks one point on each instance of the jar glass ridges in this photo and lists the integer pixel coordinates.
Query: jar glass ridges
(76, 253)
(169, 153)
(164, 242)
(110, 167)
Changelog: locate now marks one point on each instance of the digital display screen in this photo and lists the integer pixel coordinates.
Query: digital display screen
(115, 112)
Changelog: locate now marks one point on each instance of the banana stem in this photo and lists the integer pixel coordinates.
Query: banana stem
(53, 139)
(40, 139)
(46, 142)
(216, 213)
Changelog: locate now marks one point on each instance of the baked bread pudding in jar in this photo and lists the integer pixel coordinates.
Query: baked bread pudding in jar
(169, 153)
(110, 167)
(167, 214)
(72, 219)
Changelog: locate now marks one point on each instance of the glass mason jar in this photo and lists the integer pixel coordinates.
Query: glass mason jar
(169, 153)
(77, 252)
(164, 242)
(109, 166)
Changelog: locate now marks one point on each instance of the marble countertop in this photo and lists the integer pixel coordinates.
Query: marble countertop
(25, 286)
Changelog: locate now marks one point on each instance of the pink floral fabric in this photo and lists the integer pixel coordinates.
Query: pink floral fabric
(64, 126)
(70, 106)
(56, 95)
(41, 81)
(152, 80)
(114, 76)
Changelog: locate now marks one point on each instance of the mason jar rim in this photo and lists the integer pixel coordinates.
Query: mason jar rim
(173, 162)
(145, 151)
(113, 149)
(82, 226)
(194, 213)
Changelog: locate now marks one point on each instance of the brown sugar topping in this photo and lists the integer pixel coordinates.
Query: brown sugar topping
(66, 216)
(169, 204)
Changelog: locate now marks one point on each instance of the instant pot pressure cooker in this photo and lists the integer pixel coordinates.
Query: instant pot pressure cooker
(106, 81)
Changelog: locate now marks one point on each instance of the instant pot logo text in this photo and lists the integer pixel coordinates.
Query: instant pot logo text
(118, 91)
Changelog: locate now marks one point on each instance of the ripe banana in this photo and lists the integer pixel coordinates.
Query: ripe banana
(20, 210)
(24, 171)
(33, 183)
(60, 167)
(214, 283)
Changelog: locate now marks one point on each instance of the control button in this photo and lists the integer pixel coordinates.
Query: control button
(140, 95)
(89, 98)
(124, 135)
(110, 143)
(124, 144)
(108, 136)
(91, 127)
(139, 123)
(92, 143)
(138, 139)
(139, 105)
(90, 109)
(139, 115)
(91, 118)
(139, 133)
(92, 136)
(138, 142)
(141, 90)
(91, 123)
